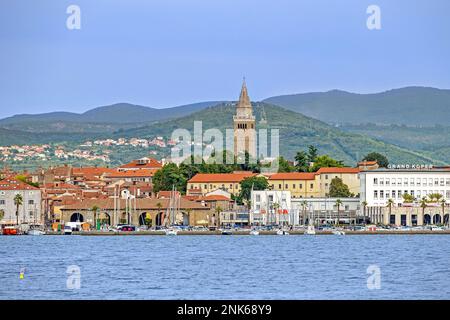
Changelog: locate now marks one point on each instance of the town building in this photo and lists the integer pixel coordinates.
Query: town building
(203, 183)
(143, 163)
(29, 211)
(244, 126)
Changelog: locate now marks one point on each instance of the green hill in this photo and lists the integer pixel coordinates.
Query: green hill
(410, 106)
(296, 133)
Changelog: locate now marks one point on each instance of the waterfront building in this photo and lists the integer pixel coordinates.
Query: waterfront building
(203, 183)
(378, 186)
(29, 211)
(383, 191)
(244, 125)
(272, 207)
(136, 211)
(314, 184)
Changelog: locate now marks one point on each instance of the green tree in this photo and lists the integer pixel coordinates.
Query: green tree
(364, 204)
(338, 189)
(434, 197)
(168, 176)
(407, 198)
(390, 203)
(284, 165)
(301, 161)
(18, 201)
(312, 153)
(325, 161)
(378, 157)
(257, 183)
(423, 205)
(2, 214)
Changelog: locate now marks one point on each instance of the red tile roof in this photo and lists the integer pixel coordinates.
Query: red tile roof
(91, 171)
(12, 183)
(338, 170)
(139, 173)
(221, 177)
(293, 176)
(214, 197)
(145, 163)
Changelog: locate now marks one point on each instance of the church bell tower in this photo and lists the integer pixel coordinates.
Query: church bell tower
(244, 125)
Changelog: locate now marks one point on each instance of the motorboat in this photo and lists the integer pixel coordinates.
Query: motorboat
(227, 232)
(282, 232)
(171, 232)
(254, 232)
(10, 231)
(35, 232)
(310, 230)
(338, 232)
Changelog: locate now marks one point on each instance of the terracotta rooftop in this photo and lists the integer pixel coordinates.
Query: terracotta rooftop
(132, 173)
(338, 170)
(144, 163)
(293, 176)
(221, 177)
(12, 183)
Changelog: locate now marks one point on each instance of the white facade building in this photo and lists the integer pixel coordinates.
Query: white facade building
(377, 186)
(273, 207)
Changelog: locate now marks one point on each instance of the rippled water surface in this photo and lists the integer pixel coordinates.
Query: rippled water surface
(226, 267)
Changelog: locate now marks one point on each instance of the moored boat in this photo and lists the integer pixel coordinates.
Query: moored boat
(282, 232)
(171, 232)
(10, 231)
(254, 232)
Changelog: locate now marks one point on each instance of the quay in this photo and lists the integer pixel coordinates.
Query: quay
(246, 233)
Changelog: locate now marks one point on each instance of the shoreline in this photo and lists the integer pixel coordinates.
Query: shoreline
(246, 233)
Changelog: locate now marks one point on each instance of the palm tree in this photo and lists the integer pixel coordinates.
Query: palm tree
(18, 201)
(364, 204)
(2, 214)
(390, 202)
(423, 205)
(94, 210)
(338, 204)
(443, 203)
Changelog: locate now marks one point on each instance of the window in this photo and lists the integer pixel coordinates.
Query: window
(393, 194)
(286, 186)
(388, 182)
(279, 186)
(326, 177)
(381, 194)
(418, 182)
(399, 181)
(447, 182)
(441, 182)
(399, 194)
(412, 193)
(375, 194)
(393, 181)
(2, 202)
(381, 181)
(31, 202)
(411, 181)
(311, 186)
(405, 182)
(258, 198)
(300, 186)
(375, 181)
(293, 186)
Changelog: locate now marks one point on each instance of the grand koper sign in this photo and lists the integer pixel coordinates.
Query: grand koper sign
(410, 166)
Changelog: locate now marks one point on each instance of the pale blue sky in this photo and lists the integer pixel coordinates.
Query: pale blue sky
(163, 53)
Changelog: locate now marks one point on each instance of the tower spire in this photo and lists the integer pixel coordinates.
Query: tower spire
(244, 100)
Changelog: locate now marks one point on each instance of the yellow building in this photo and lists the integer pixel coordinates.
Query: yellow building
(315, 184)
(203, 183)
(300, 184)
(349, 176)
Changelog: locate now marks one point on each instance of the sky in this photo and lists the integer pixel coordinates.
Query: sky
(163, 53)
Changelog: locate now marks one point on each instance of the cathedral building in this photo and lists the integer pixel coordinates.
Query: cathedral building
(244, 126)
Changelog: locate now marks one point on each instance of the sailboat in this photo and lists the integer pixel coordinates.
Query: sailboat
(282, 232)
(35, 229)
(310, 230)
(171, 212)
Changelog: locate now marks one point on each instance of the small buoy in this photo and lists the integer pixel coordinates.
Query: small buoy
(22, 273)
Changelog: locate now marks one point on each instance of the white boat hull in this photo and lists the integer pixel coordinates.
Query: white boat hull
(282, 233)
(171, 232)
(36, 233)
